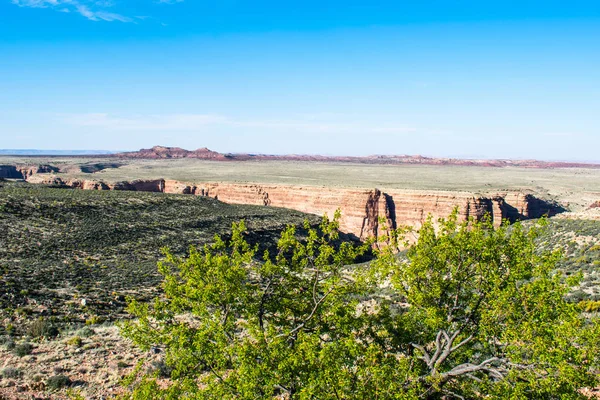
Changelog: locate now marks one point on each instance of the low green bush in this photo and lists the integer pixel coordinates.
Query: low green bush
(42, 328)
(75, 341)
(58, 382)
(10, 373)
(23, 349)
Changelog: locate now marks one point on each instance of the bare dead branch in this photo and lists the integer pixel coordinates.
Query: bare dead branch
(438, 348)
(462, 343)
(468, 368)
(425, 357)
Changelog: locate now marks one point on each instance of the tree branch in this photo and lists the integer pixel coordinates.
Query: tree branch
(310, 316)
(468, 368)
(261, 307)
(426, 357)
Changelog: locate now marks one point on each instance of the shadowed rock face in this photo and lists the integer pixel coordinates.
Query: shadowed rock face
(29, 170)
(520, 206)
(537, 208)
(362, 210)
(24, 171)
(10, 172)
(96, 167)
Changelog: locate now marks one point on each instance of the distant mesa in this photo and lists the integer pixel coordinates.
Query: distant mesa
(163, 152)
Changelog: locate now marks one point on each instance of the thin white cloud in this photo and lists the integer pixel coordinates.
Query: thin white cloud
(39, 3)
(195, 122)
(100, 15)
(92, 10)
(176, 122)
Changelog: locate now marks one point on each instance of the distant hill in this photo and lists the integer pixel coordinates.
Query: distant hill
(163, 152)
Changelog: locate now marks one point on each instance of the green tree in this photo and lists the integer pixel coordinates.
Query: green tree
(470, 312)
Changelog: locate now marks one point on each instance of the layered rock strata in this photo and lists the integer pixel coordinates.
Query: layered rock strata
(363, 211)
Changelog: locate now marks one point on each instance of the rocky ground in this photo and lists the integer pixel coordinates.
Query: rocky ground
(89, 362)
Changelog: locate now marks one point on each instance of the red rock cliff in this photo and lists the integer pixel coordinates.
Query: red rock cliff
(361, 209)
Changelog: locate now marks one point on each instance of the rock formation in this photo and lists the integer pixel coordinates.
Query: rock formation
(362, 210)
(10, 172)
(162, 152)
(595, 204)
(25, 171)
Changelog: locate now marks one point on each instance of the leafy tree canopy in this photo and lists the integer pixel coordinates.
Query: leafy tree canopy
(472, 311)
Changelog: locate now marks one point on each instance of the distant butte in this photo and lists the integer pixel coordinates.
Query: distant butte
(163, 152)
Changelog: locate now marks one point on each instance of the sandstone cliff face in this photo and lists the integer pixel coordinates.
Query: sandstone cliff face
(24, 171)
(29, 170)
(361, 209)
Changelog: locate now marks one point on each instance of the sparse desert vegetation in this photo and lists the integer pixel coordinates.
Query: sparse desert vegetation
(68, 261)
(579, 242)
(71, 258)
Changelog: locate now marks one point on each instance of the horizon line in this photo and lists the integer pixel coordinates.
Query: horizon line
(100, 152)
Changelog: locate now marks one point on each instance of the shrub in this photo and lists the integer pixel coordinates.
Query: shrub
(470, 312)
(42, 328)
(10, 329)
(23, 349)
(75, 341)
(9, 345)
(94, 320)
(85, 332)
(58, 382)
(589, 305)
(11, 373)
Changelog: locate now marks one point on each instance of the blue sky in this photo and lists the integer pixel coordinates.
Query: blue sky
(490, 79)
